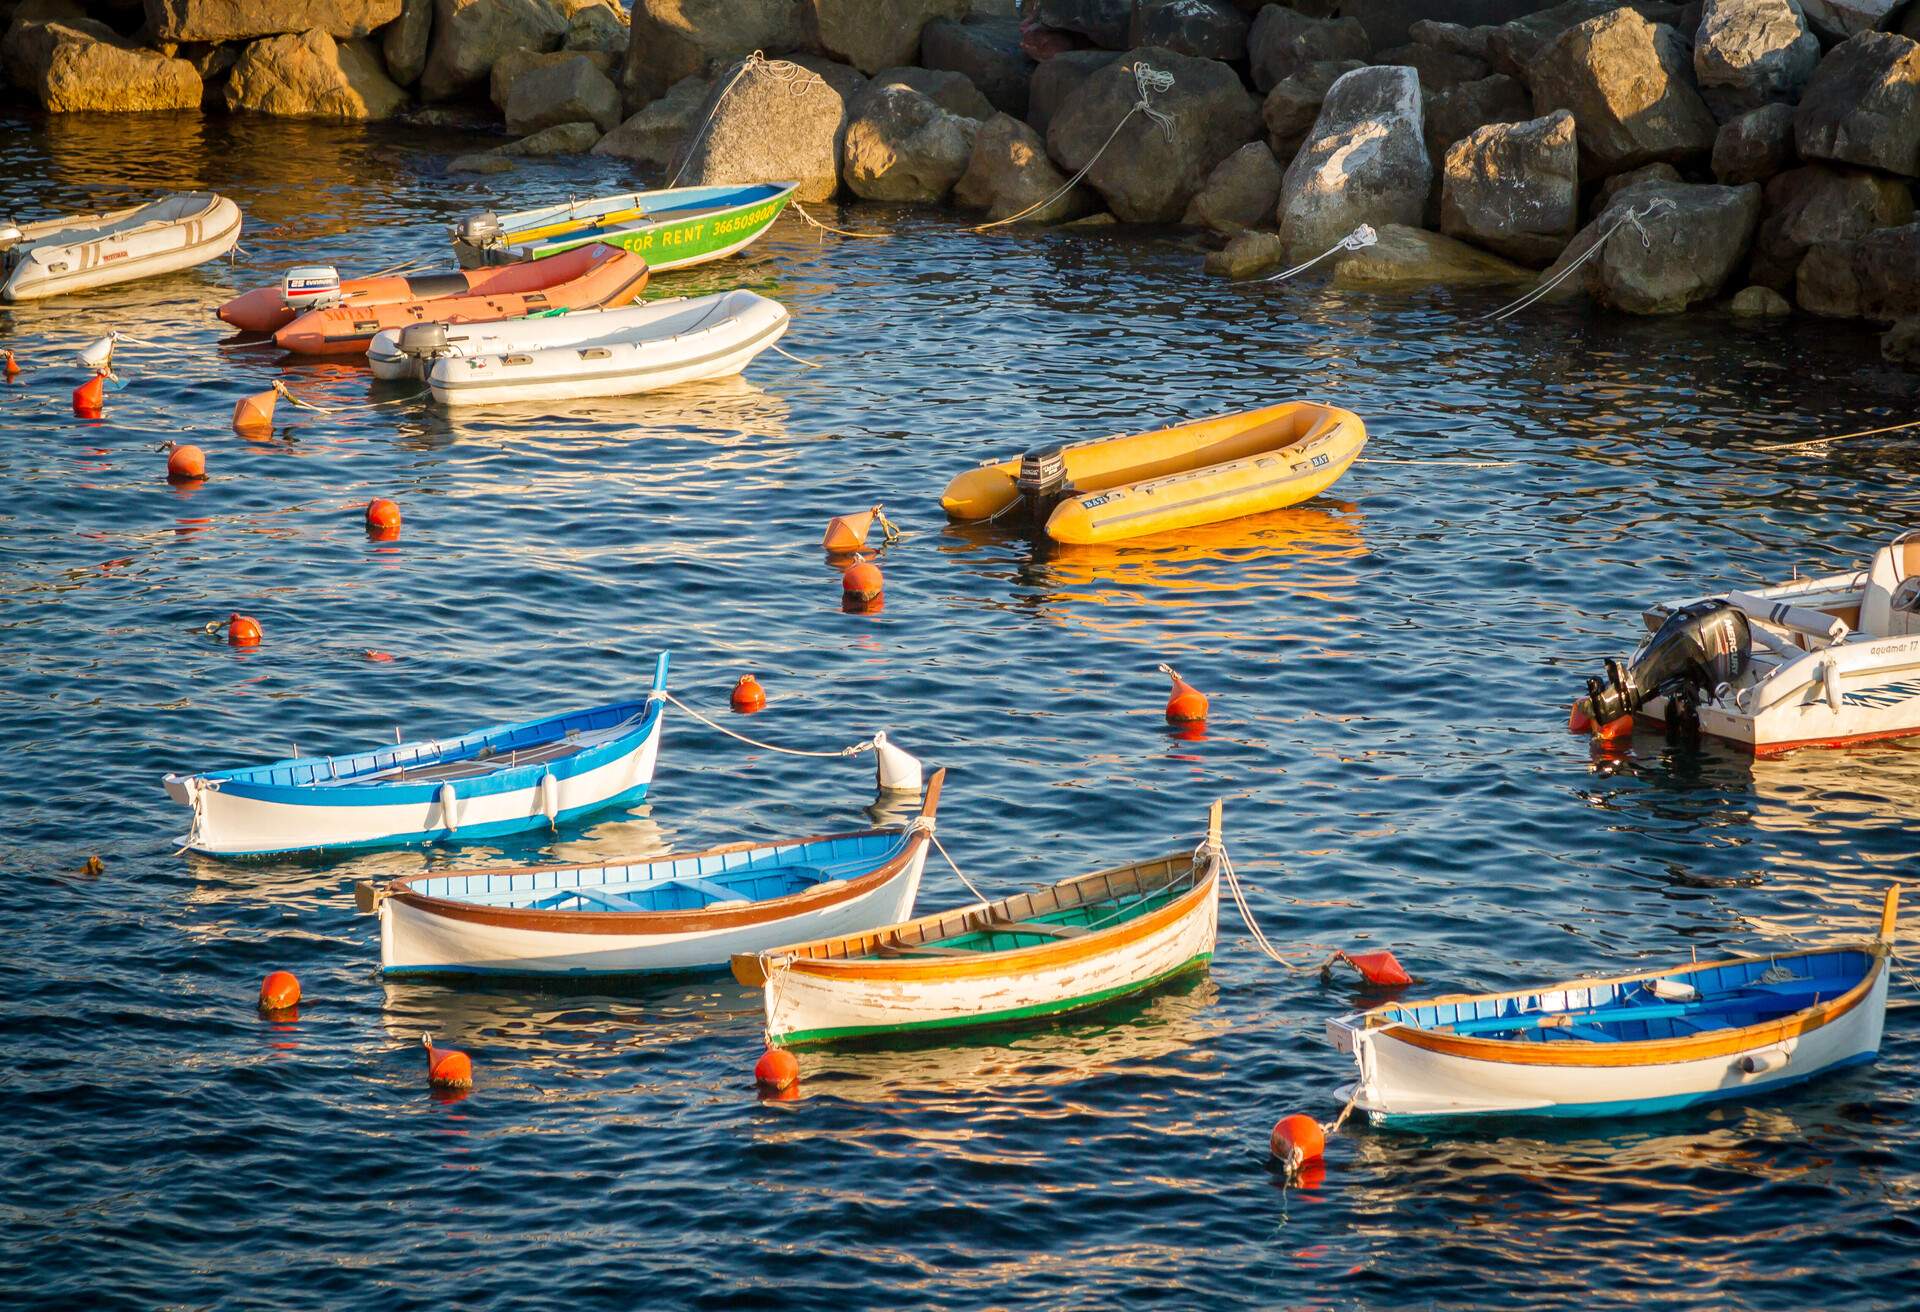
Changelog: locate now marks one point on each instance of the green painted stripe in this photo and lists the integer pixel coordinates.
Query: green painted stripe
(672, 244)
(803, 1037)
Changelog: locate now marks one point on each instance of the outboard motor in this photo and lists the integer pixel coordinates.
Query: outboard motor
(422, 344)
(479, 230)
(1042, 482)
(311, 287)
(1700, 647)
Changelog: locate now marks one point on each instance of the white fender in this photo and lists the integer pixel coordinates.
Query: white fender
(1830, 674)
(550, 799)
(898, 771)
(1764, 1061)
(448, 820)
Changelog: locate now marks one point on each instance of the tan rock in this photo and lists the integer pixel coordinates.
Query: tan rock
(1406, 256)
(312, 76)
(564, 90)
(470, 36)
(1009, 173)
(82, 66)
(654, 135)
(1761, 303)
(1247, 255)
(243, 20)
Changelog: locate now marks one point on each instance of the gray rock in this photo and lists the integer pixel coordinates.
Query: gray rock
(1438, 69)
(1760, 303)
(512, 66)
(1365, 162)
(656, 133)
(470, 35)
(1058, 78)
(672, 40)
(1514, 188)
(567, 90)
(1820, 203)
(561, 139)
(1749, 53)
(951, 91)
(484, 162)
(1294, 104)
(1282, 43)
(1248, 255)
(1205, 29)
(775, 126)
(1453, 38)
(874, 34)
(243, 20)
(1754, 146)
(1872, 277)
(403, 42)
(1633, 178)
(1863, 105)
(987, 51)
(1514, 47)
(1149, 174)
(901, 146)
(1691, 250)
(1452, 114)
(1628, 85)
(1241, 192)
(1900, 344)
(1103, 22)
(1836, 20)
(1390, 22)
(1009, 172)
(600, 29)
(312, 76)
(1412, 257)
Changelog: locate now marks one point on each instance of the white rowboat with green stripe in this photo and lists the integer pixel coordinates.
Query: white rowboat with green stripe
(671, 229)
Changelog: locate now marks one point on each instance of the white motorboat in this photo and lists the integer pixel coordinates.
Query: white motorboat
(586, 353)
(1824, 661)
(84, 251)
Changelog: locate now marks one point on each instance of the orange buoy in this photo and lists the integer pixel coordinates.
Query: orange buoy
(1615, 729)
(253, 415)
(90, 397)
(186, 464)
(862, 581)
(447, 1068)
(1297, 1140)
(748, 695)
(847, 533)
(383, 518)
(1380, 967)
(1580, 718)
(777, 1069)
(378, 657)
(1187, 705)
(279, 991)
(11, 366)
(242, 631)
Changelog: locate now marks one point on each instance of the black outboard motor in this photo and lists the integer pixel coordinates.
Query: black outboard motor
(1700, 647)
(1042, 482)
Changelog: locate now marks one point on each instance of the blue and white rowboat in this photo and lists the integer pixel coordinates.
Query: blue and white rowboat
(1630, 1045)
(501, 780)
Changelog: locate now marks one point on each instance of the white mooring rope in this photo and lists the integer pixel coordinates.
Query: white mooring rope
(1357, 240)
(1633, 216)
(854, 750)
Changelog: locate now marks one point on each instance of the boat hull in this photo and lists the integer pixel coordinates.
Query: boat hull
(665, 242)
(162, 248)
(811, 1002)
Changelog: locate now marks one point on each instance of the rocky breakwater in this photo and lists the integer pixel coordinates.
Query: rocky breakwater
(1758, 155)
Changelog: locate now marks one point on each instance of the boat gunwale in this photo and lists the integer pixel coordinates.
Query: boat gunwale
(816, 898)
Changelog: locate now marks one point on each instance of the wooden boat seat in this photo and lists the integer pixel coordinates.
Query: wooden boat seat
(1035, 927)
(902, 950)
(608, 901)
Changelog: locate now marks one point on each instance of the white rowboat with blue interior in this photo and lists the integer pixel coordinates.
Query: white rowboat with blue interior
(1629, 1045)
(670, 915)
(506, 779)
(674, 228)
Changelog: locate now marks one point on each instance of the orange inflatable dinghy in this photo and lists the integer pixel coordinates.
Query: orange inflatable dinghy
(344, 322)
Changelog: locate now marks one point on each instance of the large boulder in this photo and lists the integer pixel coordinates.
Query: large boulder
(84, 66)
(987, 51)
(1058, 78)
(1205, 29)
(1872, 277)
(1900, 344)
(780, 121)
(1836, 20)
(1749, 53)
(951, 91)
(1453, 38)
(403, 42)
(676, 39)
(1438, 69)
(1153, 169)
(598, 28)
(470, 35)
(1754, 146)
(1103, 22)
(1760, 303)
(1009, 173)
(1241, 192)
(241, 20)
(1514, 188)
(560, 139)
(1411, 257)
(1283, 42)
(1863, 105)
(901, 146)
(569, 89)
(874, 34)
(1627, 83)
(1691, 248)
(1390, 22)
(1365, 162)
(1294, 103)
(1612, 187)
(1820, 203)
(1246, 255)
(312, 76)
(652, 136)
(1453, 113)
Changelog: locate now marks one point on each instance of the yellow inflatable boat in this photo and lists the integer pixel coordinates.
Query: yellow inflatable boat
(1171, 478)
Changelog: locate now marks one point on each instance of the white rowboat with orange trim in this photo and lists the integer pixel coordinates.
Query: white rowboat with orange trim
(1057, 949)
(1630, 1045)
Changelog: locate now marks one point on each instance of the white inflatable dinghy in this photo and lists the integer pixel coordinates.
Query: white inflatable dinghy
(84, 251)
(584, 353)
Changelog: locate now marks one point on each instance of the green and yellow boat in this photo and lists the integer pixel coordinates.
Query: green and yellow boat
(671, 229)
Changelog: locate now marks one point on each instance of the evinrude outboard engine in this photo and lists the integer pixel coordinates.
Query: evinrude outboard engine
(1042, 482)
(310, 287)
(479, 230)
(1698, 648)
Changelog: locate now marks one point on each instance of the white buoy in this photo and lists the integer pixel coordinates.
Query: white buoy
(550, 799)
(899, 772)
(1674, 990)
(98, 356)
(447, 820)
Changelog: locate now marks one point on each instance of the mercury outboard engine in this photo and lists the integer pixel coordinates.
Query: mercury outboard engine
(1700, 647)
(1042, 482)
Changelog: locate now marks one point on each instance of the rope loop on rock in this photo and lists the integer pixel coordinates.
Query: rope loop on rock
(791, 75)
(1357, 240)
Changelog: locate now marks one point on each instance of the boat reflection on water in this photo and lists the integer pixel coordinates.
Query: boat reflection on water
(726, 415)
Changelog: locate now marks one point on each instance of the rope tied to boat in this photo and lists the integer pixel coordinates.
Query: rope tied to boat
(1147, 82)
(1658, 205)
(853, 750)
(781, 350)
(923, 824)
(1838, 437)
(1357, 240)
